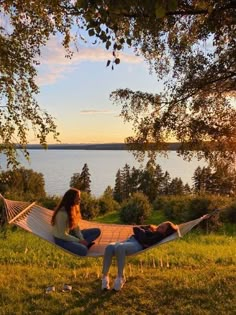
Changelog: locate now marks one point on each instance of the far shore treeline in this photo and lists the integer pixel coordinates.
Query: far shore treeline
(137, 195)
(173, 146)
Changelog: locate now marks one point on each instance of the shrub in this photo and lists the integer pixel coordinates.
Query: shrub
(89, 206)
(107, 204)
(50, 202)
(136, 209)
(174, 207)
(186, 208)
(229, 213)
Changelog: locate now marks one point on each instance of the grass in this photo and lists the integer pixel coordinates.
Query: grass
(195, 275)
(112, 217)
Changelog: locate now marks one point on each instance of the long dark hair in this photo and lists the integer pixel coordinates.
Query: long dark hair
(171, 228)
(70, 202)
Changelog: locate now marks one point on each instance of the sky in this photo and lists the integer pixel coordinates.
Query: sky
(76, 92)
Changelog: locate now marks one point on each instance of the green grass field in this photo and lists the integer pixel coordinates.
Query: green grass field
(194, 275)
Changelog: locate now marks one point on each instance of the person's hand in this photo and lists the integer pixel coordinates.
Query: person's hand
(83, 242)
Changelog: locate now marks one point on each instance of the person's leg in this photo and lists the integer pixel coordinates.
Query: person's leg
(107, 260)
(91, 234)
(127, 248)
(73, 247)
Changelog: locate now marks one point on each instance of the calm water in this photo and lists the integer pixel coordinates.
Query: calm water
(58, 166)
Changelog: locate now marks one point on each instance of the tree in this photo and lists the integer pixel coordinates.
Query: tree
(149, 181)
(187, 189)
(202, 179)
(166, 183)
(221, 180)
(176, 187)
(75, 180)
(85, 179)
(194, 48)
(82, 180)
(189, 44)
(126, 182)
(22, 183)
(117, 193)
(135, 178)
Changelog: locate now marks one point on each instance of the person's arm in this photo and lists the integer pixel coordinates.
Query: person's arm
(205, 216)
(140, 234)
(77, 233)
(146, 238)
(61, 228)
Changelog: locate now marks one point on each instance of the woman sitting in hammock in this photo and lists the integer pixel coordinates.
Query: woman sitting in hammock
(65, 225)
(143, 237)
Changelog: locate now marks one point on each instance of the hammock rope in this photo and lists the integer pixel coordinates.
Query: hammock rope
(37, 220)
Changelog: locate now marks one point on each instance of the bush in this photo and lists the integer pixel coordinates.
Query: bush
(50, 202)
(174, 207)
(107, 204)
(229, 213)
(89, 206)
(136, 209)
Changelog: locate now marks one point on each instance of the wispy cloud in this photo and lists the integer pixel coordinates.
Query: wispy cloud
(95, 111)
(54, 65)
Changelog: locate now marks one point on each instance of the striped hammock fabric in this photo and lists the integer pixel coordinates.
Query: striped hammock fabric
(37, 220)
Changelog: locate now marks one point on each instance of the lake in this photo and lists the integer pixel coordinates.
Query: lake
(58, 166)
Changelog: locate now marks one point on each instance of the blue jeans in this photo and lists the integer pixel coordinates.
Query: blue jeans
(120, 250)
(76, 248)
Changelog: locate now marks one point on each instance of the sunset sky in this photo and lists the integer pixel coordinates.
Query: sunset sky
(76, 92)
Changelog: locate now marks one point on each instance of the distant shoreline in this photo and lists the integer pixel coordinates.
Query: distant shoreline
(100, 146)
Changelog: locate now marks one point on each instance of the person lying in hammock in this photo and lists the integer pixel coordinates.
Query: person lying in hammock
(65, 225)
(143, 237)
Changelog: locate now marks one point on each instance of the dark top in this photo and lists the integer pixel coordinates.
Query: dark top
(146, 237)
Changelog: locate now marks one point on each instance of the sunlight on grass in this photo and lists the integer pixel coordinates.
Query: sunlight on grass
(192, 275)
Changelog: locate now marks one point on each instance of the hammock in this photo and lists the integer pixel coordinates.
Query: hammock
(37, 220)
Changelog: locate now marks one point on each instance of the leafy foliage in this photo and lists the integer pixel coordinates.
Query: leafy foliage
(229, 213)
(25, 27)
(185, 208)
(151, 181)
(136, 209)
(89, 206)
(194, 48)
(22, 184)
(219, 181)
(189, 44)
(107, 203)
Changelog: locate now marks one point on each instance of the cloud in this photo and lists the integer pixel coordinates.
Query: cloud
(95, 111)
(54, 65)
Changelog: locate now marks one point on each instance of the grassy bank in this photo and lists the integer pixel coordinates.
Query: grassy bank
(195, 275)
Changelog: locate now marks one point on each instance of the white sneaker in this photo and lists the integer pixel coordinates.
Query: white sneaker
(119, 283)
(105, 283)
